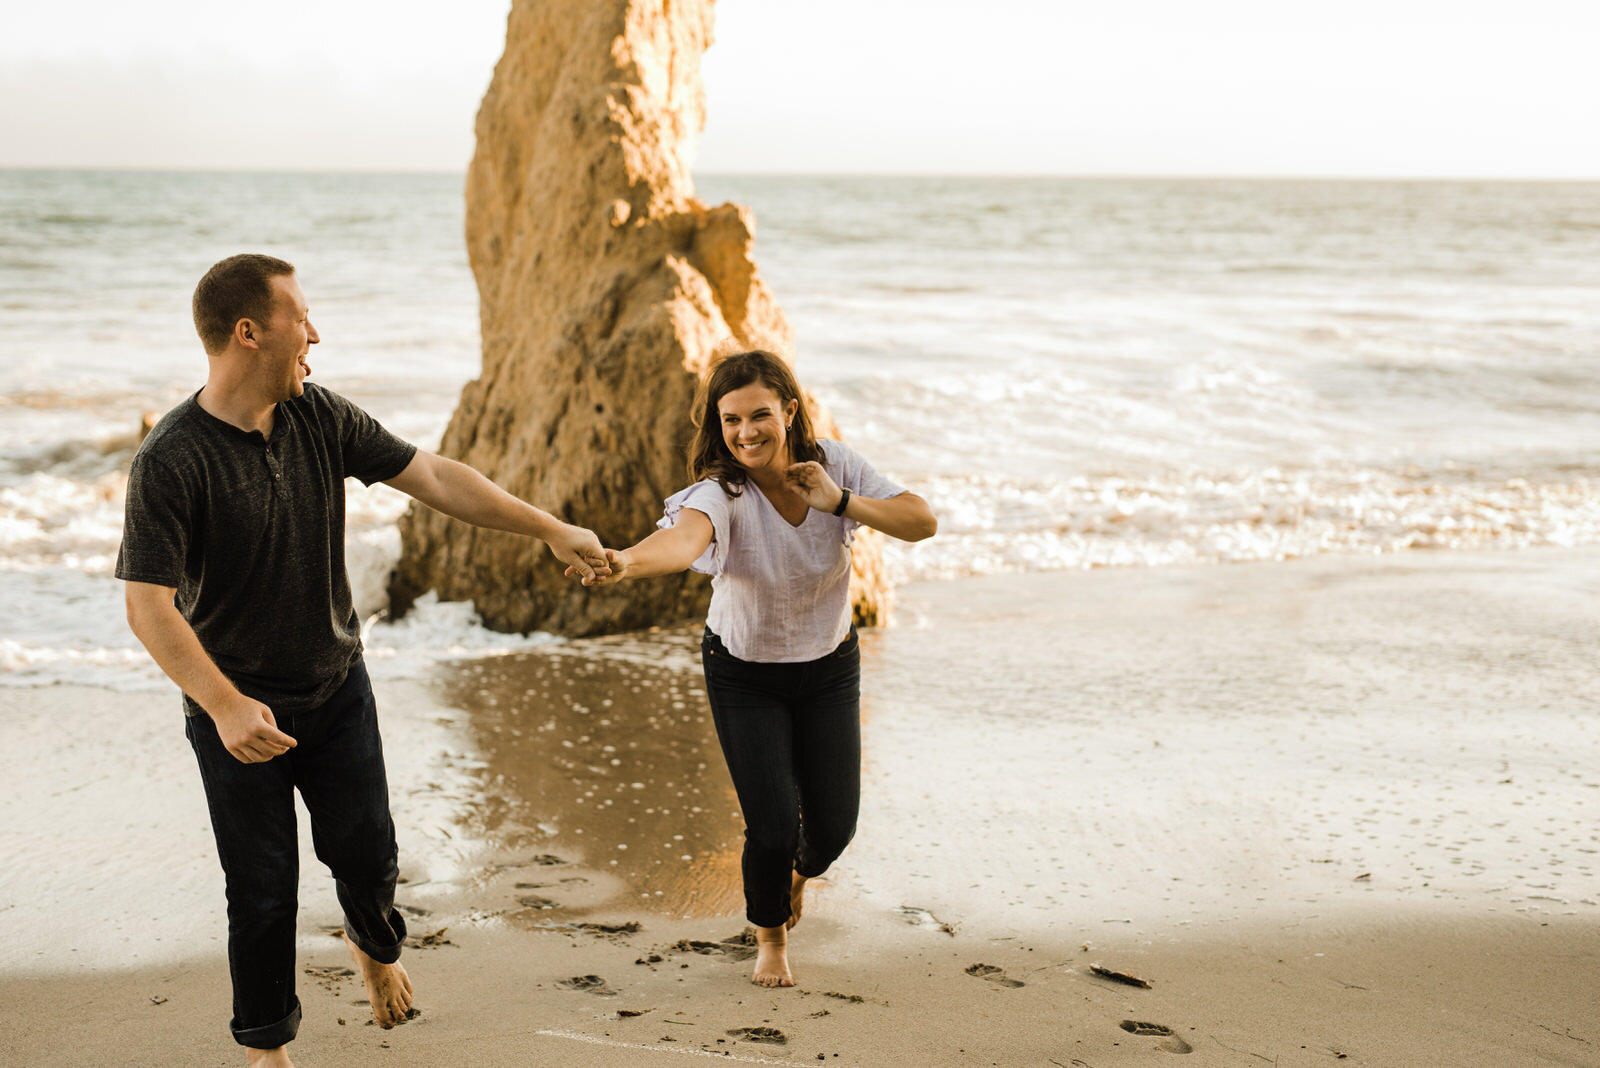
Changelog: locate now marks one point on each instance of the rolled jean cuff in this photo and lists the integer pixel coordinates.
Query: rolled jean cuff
(761, 921)
(273, 1035)
(800, 870)
(386, 953)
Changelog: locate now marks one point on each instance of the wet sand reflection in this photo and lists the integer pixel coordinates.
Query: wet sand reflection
(602, 782)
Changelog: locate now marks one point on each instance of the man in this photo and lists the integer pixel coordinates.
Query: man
(233, 558)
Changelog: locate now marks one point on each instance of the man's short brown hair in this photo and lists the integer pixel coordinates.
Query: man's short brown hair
(239, 287)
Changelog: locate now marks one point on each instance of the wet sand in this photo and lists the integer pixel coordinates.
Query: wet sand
(1331, 810)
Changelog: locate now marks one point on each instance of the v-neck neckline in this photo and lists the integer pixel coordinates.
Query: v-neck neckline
(779, 511)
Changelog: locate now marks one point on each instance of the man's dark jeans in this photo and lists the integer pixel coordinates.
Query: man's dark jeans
(338, 768)
(791, 734)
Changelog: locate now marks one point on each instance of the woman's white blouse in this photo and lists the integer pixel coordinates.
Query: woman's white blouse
(779, 593)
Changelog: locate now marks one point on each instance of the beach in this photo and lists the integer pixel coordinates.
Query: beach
(1253, 659)
(1338, 809)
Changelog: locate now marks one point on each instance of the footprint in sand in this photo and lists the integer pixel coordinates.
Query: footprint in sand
(741, 946)
(920, 917)
(997, 976)
(433, 940)
(534, 901)
(330, 979)
(1169, 1040)
(588, 984)
(760, 1034)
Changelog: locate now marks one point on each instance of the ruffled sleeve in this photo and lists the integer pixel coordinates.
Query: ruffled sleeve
(710, 499)
(852, 472)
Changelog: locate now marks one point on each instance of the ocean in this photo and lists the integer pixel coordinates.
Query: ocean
(1075, 372)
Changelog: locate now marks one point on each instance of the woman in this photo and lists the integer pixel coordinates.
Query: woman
(771, 516)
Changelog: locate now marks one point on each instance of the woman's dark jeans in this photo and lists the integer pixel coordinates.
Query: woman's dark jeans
(338, 768)
(791, 734)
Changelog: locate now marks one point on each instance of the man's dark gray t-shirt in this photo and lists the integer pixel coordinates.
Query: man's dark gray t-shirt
(250, 531)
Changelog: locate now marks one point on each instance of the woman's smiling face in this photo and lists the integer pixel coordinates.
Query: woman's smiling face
(755, 425)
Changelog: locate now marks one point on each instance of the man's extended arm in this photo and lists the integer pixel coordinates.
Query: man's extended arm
(458, 490)
(246, 726)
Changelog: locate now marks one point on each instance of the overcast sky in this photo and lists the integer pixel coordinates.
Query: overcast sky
(1235, 87)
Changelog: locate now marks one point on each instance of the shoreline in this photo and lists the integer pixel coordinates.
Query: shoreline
(1332, 806)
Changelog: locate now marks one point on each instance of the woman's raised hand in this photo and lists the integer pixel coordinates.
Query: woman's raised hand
(813, 482)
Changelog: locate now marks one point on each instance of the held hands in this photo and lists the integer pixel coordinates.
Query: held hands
(663, 552)
(616, 570)
(811, 481)
(249, 732)
(582, 552)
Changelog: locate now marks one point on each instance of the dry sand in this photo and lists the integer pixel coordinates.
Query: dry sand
(1333, 811)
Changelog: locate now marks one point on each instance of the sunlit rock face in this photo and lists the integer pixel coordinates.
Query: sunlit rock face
(605, 289)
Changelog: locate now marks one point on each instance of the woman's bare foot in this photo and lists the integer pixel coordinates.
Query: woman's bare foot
(268, 1058)
(772, 957)
(797, 898)
(388, 986)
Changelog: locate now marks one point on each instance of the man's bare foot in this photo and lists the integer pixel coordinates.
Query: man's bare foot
(268, 1058)
(797, 898)
(772, 957)
(388, 986)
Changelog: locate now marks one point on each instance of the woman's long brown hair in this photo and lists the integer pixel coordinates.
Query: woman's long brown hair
(708, 454)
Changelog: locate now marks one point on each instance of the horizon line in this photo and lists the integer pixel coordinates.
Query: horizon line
(1218, 176)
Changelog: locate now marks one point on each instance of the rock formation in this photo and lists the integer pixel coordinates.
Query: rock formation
(604, 288)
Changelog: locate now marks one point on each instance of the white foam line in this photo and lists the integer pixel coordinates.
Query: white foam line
(578, 1036)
